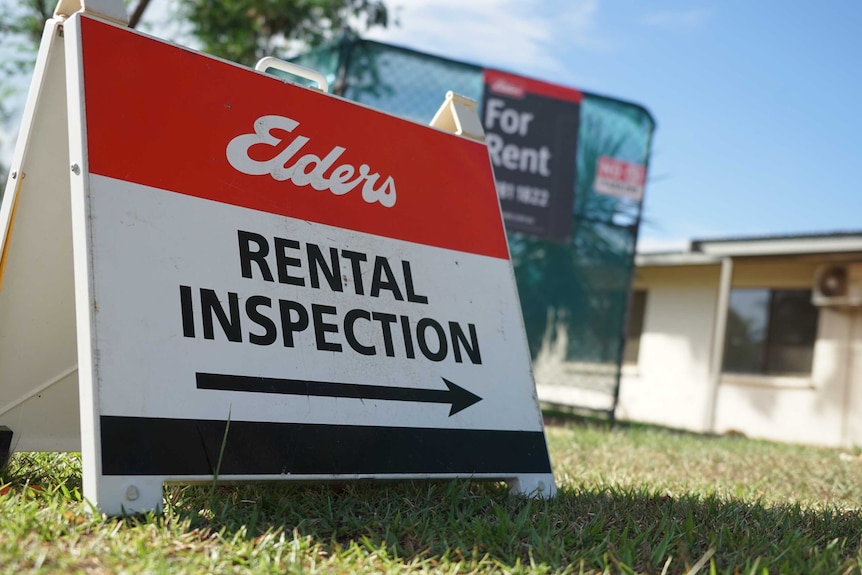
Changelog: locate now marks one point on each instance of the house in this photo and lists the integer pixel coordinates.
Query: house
(756, 335)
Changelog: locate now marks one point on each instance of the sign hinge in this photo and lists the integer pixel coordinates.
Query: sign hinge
(458, 115)
(112, 10)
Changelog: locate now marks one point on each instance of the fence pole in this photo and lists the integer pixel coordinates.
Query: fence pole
(345, 50)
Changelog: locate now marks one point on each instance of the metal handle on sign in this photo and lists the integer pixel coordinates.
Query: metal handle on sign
(295, 69)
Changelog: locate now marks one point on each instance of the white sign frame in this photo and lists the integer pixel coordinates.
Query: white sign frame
(42, 415)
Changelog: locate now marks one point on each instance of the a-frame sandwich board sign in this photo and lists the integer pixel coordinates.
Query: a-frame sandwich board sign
(270, 282)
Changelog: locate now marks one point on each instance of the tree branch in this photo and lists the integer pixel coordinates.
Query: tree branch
(138, 13)
(43, 10)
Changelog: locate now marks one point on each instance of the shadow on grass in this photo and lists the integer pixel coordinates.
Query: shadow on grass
(44, 470)
(565, 417)
(616, 529)
(612, 528)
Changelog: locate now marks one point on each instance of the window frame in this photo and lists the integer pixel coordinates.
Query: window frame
(789, 379)
(630, 341)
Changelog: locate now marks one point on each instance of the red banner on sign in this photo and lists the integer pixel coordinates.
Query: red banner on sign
(514, 86)
(618, 178)
(214, 130)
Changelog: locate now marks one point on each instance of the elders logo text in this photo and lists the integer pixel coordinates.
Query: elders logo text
(309, 169)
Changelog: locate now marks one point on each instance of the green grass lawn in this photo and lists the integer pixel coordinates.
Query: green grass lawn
(632, 499)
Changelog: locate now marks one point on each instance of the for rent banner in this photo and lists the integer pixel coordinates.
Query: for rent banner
(531, 130)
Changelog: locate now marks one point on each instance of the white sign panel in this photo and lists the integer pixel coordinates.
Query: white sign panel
(326, 286)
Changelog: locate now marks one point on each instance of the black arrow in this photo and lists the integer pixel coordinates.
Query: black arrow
(455, 395)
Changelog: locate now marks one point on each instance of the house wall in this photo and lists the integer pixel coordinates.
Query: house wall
(853, 416)
(670, 385)
(804, 409)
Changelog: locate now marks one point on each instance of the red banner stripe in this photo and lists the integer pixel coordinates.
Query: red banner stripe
(165, 117)
(517, 86)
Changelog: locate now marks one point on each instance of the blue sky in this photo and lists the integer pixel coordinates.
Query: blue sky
(759, 130)
(755, 101)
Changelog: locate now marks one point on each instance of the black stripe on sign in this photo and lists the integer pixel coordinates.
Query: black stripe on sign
(157, 446)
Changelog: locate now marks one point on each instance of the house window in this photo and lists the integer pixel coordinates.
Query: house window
(770, 332)
(635, 327)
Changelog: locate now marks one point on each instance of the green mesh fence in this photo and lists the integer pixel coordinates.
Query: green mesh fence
(574, 295)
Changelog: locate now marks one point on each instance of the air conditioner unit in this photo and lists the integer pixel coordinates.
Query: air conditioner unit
(838, 285)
